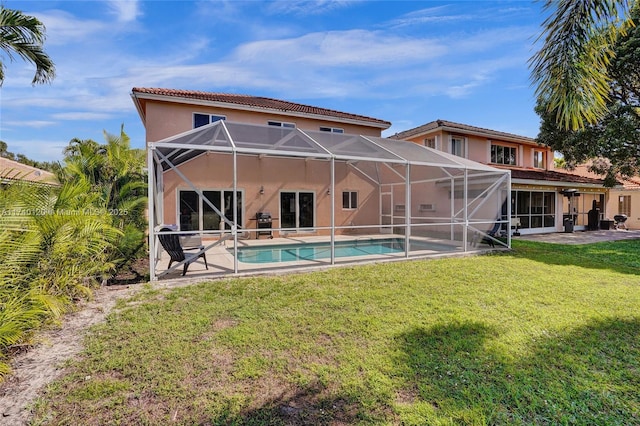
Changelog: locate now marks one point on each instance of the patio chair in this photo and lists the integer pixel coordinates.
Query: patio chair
(171, 244)
(492, 233)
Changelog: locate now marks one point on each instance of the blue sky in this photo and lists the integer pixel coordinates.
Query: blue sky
(407, 62)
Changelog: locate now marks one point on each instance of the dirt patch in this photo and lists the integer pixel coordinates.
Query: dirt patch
(134, 272)
(34, 368)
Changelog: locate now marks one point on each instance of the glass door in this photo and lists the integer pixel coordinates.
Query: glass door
(297, 209)
(197, 214)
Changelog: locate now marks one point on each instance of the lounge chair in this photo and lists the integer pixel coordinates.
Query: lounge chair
(490, 235)
(171, 244)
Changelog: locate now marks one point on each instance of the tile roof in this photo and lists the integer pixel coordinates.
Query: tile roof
(554, 176)
(631, 183)
(259, 102)
(434, 125)
(13, 170)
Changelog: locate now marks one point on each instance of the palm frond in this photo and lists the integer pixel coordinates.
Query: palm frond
(570, 69)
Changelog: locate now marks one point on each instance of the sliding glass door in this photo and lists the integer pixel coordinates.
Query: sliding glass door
(297, 209)
(196, 214)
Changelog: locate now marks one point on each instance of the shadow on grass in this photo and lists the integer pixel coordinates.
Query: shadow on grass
(305, 407)
(588, 376)
(618, 256)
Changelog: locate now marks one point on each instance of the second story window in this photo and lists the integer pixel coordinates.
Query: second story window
(538, 159)
(430, 143)
(331, 129)
(200, 120)
(458, 146)
(281, 124)
(503, 155)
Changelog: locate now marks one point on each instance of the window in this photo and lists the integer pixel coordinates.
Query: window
(538, 159)
(503, 155)
(457, 146)
(281, 124)
(196, 214)
(297, 209)
(200, 120)
(535, 209)
(430, 143)
(624, 205)
(331, 129)
(349, 200)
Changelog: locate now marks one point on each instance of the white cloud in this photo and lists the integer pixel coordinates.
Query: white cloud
(309, 7)
(80, 116)
(63, 28)
(36, 124)
(39, 150)
(430, 15)
(125, 10)
(338, 49)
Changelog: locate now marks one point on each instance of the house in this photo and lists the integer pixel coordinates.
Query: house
(219, 164)
(623, 199)
(542, 199)
(167, 112)
(11, 170)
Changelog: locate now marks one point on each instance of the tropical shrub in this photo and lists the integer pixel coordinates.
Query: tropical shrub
(52, 248)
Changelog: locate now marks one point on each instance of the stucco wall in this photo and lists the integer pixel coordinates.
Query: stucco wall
(273, 176)
(164, 119)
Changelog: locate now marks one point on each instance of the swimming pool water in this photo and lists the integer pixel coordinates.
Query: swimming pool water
(316, 251)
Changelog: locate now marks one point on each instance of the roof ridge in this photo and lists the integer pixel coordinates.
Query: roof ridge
(435, 124)
(258, 102)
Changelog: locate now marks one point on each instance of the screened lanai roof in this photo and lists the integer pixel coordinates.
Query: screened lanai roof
(242, 138)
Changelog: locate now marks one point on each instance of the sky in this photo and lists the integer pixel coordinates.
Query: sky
(407, 62)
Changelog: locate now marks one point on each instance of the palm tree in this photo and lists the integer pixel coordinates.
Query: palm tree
(53, 244)
(115, 172)
(571, 68)
(24, 36)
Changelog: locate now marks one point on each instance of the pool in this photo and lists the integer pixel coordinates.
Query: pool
(316, 251)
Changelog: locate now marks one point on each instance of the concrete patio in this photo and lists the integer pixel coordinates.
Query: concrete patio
(582, 237)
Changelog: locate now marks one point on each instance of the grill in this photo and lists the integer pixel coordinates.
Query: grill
(264, 223)
(620, 221)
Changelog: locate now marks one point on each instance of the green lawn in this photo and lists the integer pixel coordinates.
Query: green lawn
(546, 334)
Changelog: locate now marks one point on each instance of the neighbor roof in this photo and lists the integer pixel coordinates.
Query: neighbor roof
(258, 102)
(554, 176)
(458, 127)
(12, 170)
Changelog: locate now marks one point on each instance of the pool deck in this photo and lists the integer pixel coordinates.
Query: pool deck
(583, 237)
(221, 261)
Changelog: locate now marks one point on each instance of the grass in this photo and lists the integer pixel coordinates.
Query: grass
(546, 334)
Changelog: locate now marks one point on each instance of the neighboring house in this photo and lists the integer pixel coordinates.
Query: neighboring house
(12, 170)
(624, 198)
(542, 199)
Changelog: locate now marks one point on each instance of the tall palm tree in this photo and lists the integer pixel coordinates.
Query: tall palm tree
(24, 36)
(571, 68)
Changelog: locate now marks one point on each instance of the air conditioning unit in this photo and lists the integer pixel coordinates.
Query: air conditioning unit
(427, 207)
